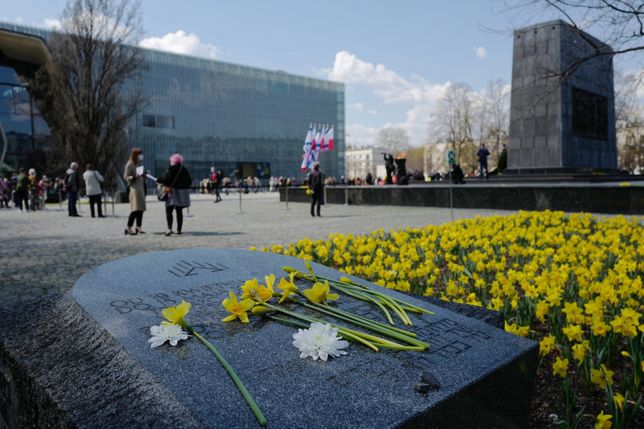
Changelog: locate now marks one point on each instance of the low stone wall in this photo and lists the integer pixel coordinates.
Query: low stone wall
(578, 198)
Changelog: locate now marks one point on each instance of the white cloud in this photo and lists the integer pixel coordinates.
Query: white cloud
(53, 23)
(415, 92)
(181, 42)
(358, 135)
(480, 52)
(387, 84)
(358, 106)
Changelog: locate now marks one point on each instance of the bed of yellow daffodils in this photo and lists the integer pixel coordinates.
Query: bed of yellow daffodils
(571, 282)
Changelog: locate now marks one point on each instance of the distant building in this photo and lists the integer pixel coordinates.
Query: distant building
(435, 159)
(360, 161)
(214, 113)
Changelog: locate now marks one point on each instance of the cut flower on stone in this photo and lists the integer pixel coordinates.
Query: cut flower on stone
(237, 309)
(287, 287)
(169, 332)
(320, 293)
(172, 331)
(176, 314)
(252, 289)
(319, 341)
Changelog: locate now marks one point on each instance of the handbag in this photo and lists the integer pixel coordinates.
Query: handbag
(163, 192)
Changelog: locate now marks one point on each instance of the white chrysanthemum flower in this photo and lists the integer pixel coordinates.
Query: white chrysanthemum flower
(319, 341)
(166, 332)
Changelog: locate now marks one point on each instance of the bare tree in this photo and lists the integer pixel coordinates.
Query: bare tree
(453, 120)
(493, 116)
(619, 23)
(88, 92)
(630, 123)
(394, 139)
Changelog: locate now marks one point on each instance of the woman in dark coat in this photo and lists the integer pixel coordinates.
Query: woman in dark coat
(178, 179)
(137, 191)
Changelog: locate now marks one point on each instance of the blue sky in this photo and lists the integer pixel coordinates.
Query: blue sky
(396, 57)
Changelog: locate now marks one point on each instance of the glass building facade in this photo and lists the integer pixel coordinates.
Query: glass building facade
(26, 132)
(214, 113)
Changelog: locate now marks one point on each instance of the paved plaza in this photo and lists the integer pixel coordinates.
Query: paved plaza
(46, 251)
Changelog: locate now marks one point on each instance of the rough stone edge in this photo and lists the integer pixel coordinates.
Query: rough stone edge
(59, 368)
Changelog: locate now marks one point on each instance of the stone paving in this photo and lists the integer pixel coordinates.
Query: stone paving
(45, 252)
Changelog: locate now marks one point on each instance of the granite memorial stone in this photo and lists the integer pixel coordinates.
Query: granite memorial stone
(473, 375)
(557, 124)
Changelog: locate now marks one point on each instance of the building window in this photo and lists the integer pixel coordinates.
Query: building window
(589, 114)
(158, 121)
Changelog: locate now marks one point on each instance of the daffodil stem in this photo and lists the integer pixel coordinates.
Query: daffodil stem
(401, 304)
(415, 344)
(361, 337)
(233, 375)
(365, 297)
(374, 326)
(343, 333)
(345, 315)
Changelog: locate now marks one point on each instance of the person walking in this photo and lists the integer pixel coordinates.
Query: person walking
(215, 177)
(72, 185)
(34, 197)
(135, 176)
(483, 153)
(177, 179)
(21, 193)
(93, 189)
(5, 192)
(316, 184)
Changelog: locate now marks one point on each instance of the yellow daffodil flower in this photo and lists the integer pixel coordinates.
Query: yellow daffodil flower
(603, 421)
(546, 345)
(602, 377)
(238, 309)
(252, 289)
(176, 314)
(618, 398)
(320, 293)
(579, 352)
(560, 367)
(573, 332)
(287, 287)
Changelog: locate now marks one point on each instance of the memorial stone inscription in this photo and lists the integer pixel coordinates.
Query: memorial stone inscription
(478, 366)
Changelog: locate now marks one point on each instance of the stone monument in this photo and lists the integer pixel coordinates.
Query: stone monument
(83, 360)
(561, 123)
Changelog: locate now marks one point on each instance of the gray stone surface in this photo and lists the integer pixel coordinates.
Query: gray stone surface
(479, 367)
(541, 114)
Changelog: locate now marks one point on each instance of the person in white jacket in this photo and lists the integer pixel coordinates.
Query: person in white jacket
(93, 189)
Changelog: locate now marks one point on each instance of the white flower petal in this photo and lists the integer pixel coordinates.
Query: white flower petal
(319, 342)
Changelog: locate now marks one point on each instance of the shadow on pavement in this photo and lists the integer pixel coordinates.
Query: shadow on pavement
(203, 233)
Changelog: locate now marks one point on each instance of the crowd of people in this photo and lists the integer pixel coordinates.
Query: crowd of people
(27, 192)
(24, 190)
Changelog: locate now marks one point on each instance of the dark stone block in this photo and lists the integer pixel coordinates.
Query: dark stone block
(578, 197)
(89, 364)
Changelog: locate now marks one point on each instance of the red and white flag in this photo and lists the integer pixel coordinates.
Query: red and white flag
(323, 142)
(316, 138)
(308, 139)
(329, 139)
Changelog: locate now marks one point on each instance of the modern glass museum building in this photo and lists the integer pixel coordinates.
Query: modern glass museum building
(214, 113)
